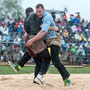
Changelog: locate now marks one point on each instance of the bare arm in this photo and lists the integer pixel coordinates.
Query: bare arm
(53, 28)
(40, 35)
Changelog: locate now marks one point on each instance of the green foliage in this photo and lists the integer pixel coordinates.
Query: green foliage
(52, 70)
(11, 8)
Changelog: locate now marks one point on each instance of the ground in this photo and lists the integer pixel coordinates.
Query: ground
(52, 82)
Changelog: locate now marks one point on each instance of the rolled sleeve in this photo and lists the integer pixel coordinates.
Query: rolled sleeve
(46, 24)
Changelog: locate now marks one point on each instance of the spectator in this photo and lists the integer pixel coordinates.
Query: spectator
(17, 54)
(10, 28)
(19, 29)
(78, 28)
(81, 50)
(65, 17)
(71, 22)
(73, 28)
(1, 29)
(76, 20)
(80, 58)
(77, 36)
(73, 56)
(58, 23)
(7, 55)
(14, 30)
(65, 35)
(82, 39)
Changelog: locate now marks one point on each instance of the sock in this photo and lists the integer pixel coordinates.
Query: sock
(39, 76)
(18, 67)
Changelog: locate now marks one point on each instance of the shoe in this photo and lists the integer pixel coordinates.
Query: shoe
(13, 66)
(67, 82)
(34, 82)
(38, 80)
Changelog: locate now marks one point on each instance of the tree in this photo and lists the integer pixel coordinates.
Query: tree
(11, 8)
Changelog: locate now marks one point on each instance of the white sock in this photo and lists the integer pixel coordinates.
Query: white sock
(39, 76)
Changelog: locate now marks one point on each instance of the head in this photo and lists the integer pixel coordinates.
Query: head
(29, 10)
(40, 10)
(17, 49)
(70, 45)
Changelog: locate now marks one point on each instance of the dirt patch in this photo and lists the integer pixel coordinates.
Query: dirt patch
(52, 82)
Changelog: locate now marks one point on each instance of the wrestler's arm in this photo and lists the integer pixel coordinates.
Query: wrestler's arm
(40, 35)
(42, 32)
(52, 28)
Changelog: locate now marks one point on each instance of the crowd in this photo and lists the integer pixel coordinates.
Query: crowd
(11, 29)
(11, 39)
(74, 34)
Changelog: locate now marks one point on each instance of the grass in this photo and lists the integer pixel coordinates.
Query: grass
(8, 70)
(71, 70)
(4, 70)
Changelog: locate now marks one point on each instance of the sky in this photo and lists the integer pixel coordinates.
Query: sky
(82, 6)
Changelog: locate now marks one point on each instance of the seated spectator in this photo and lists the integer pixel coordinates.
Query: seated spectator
(10, 28)
(65, 35)
(78, 28)
(82, 39)
(63, 23)
(64, 47)
(65, 17)
(7, 38)
(1, 29)
(87, 58)
(22, 46)
(17, 40)
(81, 50)
(76, 20)
(17, 54)
(77, 37)
(58, 23)
(7, 55)
(1, 54)
(89, 41)
(73, 28)
(73, 56)
(80, 58)
(71, 38)
(15, 45)
(19, 29)
(14, 30)
(78, 15)
(71, 19)
(5, 31)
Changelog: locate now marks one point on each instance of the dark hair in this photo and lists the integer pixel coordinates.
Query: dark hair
(29, 9)
(39, 5)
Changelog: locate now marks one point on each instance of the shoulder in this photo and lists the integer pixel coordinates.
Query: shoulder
(47, 15)
(33, 15)
(30, 16)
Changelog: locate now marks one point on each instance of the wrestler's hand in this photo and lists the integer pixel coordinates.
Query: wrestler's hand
(29, 43)
(56, 28)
